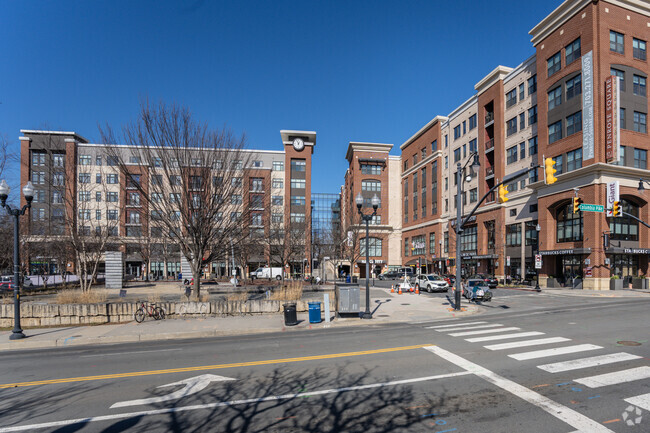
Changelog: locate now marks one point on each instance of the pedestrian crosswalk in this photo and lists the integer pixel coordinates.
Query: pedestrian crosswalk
(518, 339)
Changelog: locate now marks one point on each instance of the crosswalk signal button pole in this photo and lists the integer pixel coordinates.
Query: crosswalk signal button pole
(503, 192)
(550, 171)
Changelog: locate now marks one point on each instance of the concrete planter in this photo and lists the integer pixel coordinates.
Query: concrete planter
(640, 283)
(552, 283)
(615, 284)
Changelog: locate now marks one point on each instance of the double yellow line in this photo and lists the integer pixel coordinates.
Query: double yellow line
(208, 367)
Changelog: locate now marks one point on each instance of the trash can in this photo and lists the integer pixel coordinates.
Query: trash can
(290, 316)
(314, 312)
(348, 279)
(355, 280)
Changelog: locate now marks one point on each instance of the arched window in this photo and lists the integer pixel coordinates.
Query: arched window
(569, 224)
(371, 185)
(625, 228)
(374, 247)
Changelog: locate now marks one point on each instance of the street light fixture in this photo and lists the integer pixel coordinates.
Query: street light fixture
(28, 191)
(366, 218)
(459, 218)
(538, 228)
(641, 188)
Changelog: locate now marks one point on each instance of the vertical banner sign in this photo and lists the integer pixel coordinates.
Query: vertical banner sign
(612, 124)
(612, 196)
(587, 106)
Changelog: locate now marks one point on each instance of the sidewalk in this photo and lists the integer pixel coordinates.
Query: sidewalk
(564, 291)
(386, 307)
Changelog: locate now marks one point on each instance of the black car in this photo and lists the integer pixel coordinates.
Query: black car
(491, 282)
(389, 275)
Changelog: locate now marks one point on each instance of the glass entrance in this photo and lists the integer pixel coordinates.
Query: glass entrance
(569, 267)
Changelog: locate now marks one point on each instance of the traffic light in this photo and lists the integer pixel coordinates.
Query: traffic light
(576, 204)
(616, 208)
(503, 192)
(550, 171)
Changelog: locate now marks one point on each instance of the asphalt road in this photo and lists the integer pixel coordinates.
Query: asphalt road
(544, 364)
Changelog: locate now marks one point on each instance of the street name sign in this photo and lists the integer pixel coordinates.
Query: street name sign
(592, 207)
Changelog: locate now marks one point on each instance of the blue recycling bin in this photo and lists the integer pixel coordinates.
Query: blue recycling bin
(314, 312)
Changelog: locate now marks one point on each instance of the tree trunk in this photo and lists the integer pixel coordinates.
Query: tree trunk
(196, 270)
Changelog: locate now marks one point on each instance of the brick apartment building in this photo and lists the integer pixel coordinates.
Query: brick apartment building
(554, 104)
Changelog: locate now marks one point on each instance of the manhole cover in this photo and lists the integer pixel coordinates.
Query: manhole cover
(405, 304)
(383, 315)
(628, 343)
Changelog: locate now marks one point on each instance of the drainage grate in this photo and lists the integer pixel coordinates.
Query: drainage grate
(628, 343)
(405, 304)
(383, 315)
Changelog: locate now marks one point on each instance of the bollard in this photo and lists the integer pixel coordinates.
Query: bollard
(326, 301)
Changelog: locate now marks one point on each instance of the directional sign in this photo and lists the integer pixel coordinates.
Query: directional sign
(192, 386)
(592, 207)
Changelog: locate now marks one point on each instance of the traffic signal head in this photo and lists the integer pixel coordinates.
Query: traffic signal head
(576, 204)
(550, 171)
(616, 208)
(503, 192)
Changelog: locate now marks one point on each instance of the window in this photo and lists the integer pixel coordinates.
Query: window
(513, 212)
(235, 216)
(446, 242)
(446, 142)
(133, 199)
(457, 155)
(620, 74)
(134, 160)
(298, 183)
(374, 247)
(621, 157)
(98, 196)
(157, 161)
(638, 49)
(511, 126)
(371, 185)
(638, 85)
(39, 196)
(111, 161)
(277, 183)
(511, 98)
(297, 217)
(298, 200)
(553, 64)
(532, 85)
(456, 132)
(473, 195)
(133, 232)
(258, 164)
(406, 165)
(38, 158)
(57, 178)
(568, 224)
(277, 218)
(424, 153)
(257, 184)
(574, 87)
(111, 197)
(418, 247)
(57, 197)
(532, 115)
(622, 118)
(278, 165)
(236, 199)
(473, 145)
(555, 132)
(472, 122)
(574, 159)
(415, 159)
(406, 246)
(532, 176)
(640, 122)
(625, 228)
(554, 98)
(370, 169)
(572, 51)
(558, 164)
(238, 165)
(111, 178)
(532, 208)
(235, 182)
(156, 215)
(446, 184)
(156, 180)
(522, 150)
(84, 178)
(512, 187)
(522, 91)
(616, 42)
(468, 239)
(640, 158)
(39, 214)
(446, 162)
(298, 165)
(156, 197)
(464, 150)
(133, 181)
(531, 233)
(464, 127)
(434, 144)
(513, 235)
(38, 178)
(574, 123)
(58, 159)
(84, 214)
(256, 219)
(277, 200)
(84, 160)
(175, 197)
(432, 244)
(98, 178)
(522, 121)
(512, 154)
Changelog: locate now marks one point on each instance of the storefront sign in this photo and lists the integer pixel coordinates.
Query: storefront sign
(373, 261)
(612, 124)
(636, 251)
(562, 252)
(480, 256)
(612, 195)
(587, 106)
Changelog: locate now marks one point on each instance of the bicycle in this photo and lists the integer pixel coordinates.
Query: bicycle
(149, 309)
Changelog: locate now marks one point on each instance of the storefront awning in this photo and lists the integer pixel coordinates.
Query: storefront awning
(617, 250)
(480, 256)
(565, 252)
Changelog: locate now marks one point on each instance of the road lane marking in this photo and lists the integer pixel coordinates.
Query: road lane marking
(561, 412)
(525, 343)
(454, 324)
(503, 337)
(552, 352)
(483, 331)
(129, 353)
(623, 376)
(470, 327)
(642, 401)
(209, 367)
(593, 361)
(227, 403)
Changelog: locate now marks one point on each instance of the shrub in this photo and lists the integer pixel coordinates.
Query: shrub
(290, 292)
(79, 297)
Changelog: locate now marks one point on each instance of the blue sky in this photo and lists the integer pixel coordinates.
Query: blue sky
(349, 70)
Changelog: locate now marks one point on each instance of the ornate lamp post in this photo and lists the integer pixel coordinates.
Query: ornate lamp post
(28, 191)
(366, 218)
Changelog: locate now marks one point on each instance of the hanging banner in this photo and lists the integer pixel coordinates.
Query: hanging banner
(587, 106)
(612, 123)
(612, 196)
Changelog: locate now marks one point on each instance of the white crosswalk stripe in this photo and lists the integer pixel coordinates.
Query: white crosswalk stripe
(615, 378)
(552, 352)
(593, 361)
(483, 331)
(503, 337)
(467, 328)
(453, 325)
(642, 401)
(515, 344)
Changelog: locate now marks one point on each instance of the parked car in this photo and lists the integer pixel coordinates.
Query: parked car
(491, 281)
(267, 272)
(408, 271)
(477, 289)
(389, 275)
(430, 283)
(7, 282)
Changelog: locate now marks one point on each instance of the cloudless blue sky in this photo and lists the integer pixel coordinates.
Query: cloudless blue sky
(349, 70)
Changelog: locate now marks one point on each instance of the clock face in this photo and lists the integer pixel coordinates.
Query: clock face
(298, 144)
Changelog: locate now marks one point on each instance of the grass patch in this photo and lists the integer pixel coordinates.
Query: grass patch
(79, 297)
(237, 296)
(290, 292)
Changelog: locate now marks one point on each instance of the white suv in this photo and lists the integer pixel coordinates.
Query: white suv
(431, 283)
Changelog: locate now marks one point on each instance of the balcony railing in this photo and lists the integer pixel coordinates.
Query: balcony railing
(489, 145)
(489, 117)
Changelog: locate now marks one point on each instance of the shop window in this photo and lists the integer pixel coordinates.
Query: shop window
(625, 228)
(569, 224)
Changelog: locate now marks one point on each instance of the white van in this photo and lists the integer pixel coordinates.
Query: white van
(267, 273)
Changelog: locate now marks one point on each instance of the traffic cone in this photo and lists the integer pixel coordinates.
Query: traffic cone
(417, 290)
(400, 290)
(392, 288)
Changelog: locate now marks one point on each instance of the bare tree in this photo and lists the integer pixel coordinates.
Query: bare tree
(189, 176)
(286, 242)
(6, 224)
(346, 239)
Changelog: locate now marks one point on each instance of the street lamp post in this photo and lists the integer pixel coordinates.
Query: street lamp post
(28, 191)
(538, 228)
(459, 220)
(366, 218)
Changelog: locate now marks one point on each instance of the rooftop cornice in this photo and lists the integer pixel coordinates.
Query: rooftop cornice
(361, 146)
(44, 132)
(423, 130)
(463, 107)
(555, 19)
(498, 73)
(519, 69)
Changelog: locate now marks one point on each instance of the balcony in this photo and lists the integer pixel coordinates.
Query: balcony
(489, 145)
(489, 119)
(489, 172)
